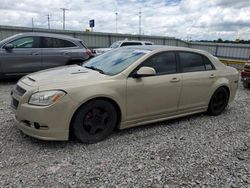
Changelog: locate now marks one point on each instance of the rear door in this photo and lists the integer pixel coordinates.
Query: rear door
(198, 76)
(55, 52)
(24, 58)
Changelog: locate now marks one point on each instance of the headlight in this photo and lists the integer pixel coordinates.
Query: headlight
(45, 98)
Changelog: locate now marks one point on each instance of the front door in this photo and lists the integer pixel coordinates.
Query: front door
(24, 58)
(155, 95)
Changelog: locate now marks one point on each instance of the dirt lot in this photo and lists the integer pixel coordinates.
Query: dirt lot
(195, 151)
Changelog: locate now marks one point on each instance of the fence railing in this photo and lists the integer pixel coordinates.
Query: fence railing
(96, 39)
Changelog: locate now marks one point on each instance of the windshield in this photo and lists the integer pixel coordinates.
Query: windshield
(115, 61)
(115, 45)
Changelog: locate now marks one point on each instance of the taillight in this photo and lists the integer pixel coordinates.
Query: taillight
(90, 54)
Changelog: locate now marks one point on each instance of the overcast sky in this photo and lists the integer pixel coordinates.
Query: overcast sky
(198, 19)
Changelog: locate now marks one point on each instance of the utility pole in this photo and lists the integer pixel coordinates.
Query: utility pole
(48, 21)
(32, 23)
(140, 21)
(116, 20)
(64, 10)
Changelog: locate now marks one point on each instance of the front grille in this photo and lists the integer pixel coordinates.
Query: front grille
(14, 103)
(20, 91)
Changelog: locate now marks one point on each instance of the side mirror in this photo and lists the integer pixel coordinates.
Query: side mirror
(9, 47)
(144, 71)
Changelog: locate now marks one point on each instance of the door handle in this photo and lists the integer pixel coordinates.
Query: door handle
(212, 76)
(65, 53)
(35, 53)
(175, 80)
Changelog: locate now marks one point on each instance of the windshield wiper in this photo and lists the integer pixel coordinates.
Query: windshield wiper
(94, 68)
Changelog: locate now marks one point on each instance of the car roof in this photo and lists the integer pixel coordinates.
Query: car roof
(134, 41)
(47, 35)
(167, 48)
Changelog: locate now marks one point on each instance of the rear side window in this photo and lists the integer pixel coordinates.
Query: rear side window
(81, 42)
(130, 43)
(26, 42)
(147, 43)
(48, 42)
(191, 62)
(163, 63)
(208, 64)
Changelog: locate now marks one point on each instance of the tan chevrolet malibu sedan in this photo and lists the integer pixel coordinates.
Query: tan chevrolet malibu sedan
(122, 88)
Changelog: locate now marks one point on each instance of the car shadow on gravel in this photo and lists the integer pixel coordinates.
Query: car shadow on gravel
(167, 123)
(9, 81)
(116, 135)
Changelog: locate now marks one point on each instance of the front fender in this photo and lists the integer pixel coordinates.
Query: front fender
(118, 95)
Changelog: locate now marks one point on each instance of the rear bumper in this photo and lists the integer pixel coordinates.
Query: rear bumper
(245, 74)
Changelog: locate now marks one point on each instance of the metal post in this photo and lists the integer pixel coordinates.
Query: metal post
(32, 23)
(64, 10)
(48, 21)
(140, 21)
(116, 20)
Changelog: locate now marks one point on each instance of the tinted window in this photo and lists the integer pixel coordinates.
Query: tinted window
(147, 43)
(48, 42)
(26, 42)
(131, 44)
(191, 62)
(163, 63)
(81, 42)
(208, 64)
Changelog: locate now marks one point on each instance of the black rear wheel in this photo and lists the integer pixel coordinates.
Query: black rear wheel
(218, 102)
(94, 121)
(246, 84)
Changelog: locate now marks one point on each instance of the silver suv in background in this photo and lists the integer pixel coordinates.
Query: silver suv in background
(29, 52)
(118, 44)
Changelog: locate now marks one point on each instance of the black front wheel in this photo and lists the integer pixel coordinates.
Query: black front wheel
(94, 121)
(218, 102)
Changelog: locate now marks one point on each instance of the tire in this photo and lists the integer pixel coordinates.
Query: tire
(94, 121)
(246, 85)
(218, 102)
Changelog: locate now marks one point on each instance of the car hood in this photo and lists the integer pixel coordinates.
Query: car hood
(62, 75)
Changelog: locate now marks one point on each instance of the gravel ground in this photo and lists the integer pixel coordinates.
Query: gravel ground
(195, 151)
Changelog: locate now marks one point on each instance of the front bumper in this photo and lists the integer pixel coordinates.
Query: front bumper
(42, 134)
(42, 122)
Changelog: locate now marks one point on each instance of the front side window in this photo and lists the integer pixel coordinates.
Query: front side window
(163, 63)
(48, 42)
(191, 62)
(147, 43)
(26, 42)
(115, 61)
